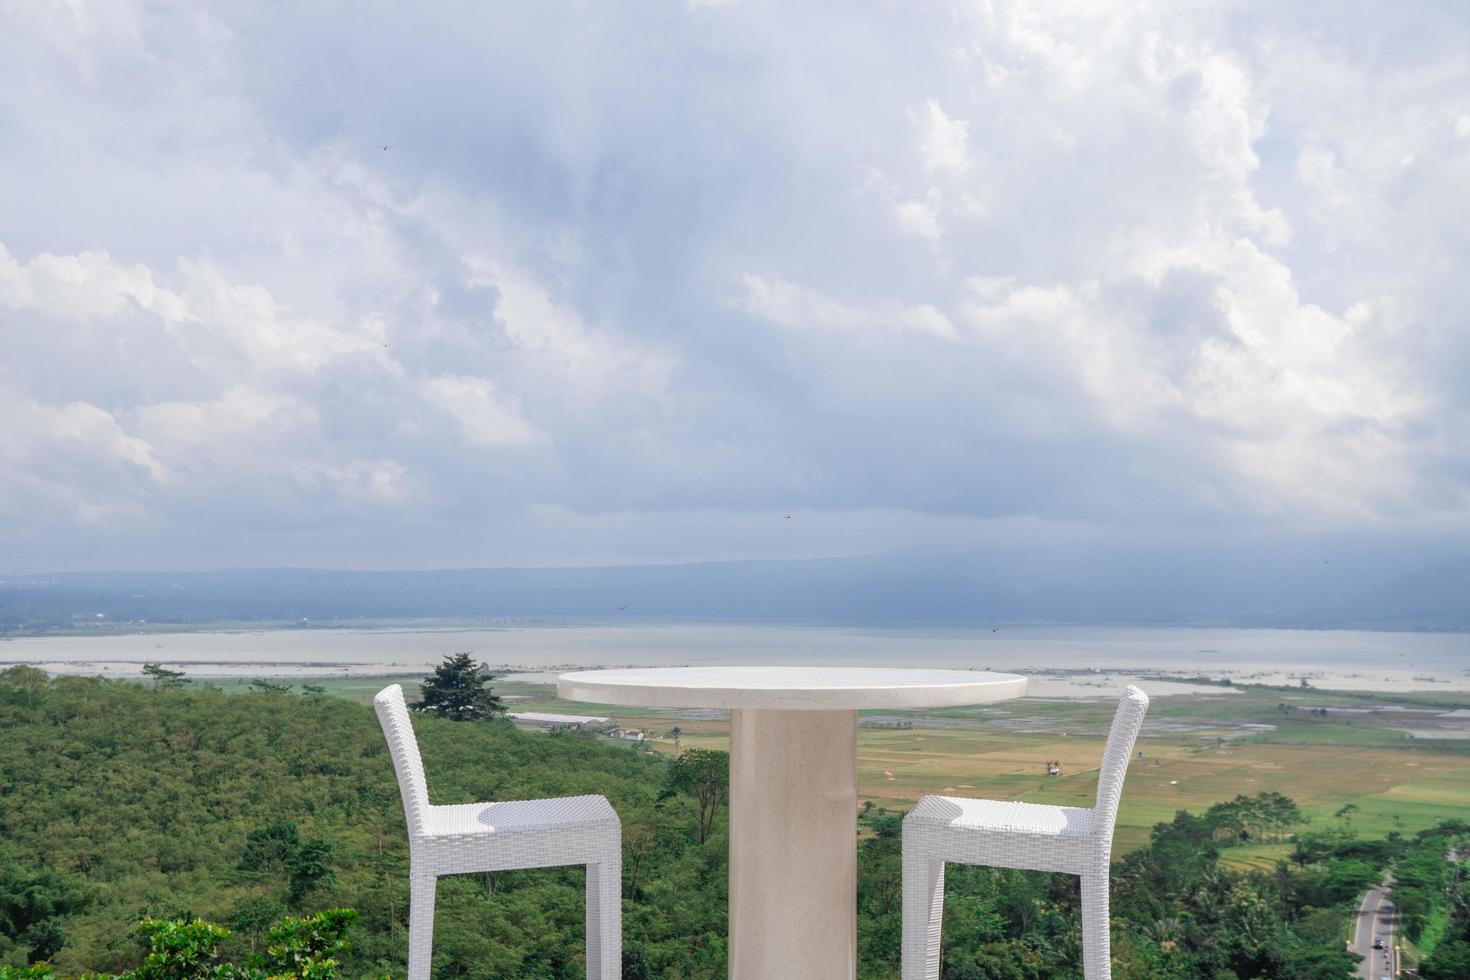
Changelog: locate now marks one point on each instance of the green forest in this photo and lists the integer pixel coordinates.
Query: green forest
(134, 816)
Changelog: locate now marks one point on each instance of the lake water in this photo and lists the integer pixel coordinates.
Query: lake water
(1339, 659)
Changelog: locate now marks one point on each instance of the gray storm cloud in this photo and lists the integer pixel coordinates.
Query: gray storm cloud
(445, 285)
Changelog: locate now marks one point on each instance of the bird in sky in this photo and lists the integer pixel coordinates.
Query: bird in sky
(385, 147)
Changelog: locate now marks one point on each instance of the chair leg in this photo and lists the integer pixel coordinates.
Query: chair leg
(605, 918)
(420, 925)
(923, 913)
(1096, 942)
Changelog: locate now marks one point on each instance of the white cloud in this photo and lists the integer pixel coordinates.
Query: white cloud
(191, 429)
(918, 218)
(85, 286)
(1088, 263)
(80, 426)
(255, 326)
(944, 142)
(372, 484)
(590, 363)
(74, 462)
(486, 417)
(797, 307)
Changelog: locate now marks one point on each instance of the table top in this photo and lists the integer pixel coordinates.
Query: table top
(792, 688)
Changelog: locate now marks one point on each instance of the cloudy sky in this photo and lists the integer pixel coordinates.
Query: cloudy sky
(408, 285)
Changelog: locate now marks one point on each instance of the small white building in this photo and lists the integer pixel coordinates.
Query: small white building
(627, 735)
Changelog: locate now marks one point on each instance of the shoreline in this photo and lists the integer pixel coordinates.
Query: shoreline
(1217, 658)
(1047, 681)
(112, 630)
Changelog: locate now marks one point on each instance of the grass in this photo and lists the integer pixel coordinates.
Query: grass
(1198, 749)
(1254, 857)
(352, 687)
(1435, 925)
(1396, 783)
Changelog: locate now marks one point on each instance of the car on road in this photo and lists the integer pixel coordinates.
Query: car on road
(1377, 942)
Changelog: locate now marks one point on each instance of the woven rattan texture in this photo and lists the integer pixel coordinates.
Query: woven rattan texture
(1004, 834)
(477, 837)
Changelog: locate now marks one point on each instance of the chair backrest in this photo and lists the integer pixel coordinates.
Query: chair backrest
(1126, 723)
(398, 728)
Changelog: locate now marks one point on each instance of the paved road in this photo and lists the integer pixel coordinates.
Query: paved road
(1376, 918)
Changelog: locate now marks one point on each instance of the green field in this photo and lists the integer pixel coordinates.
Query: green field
(1198, 749)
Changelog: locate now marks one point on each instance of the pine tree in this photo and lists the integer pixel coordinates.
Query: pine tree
(459, 689)
(163, 677)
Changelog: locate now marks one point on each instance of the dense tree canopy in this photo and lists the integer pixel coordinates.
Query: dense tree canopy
(121, 802)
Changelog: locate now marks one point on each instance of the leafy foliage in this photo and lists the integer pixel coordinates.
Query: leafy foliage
(459, 690)
(1264, 816)
(133, 802)
(164, 677)
(120, 802)
(1450, 962)
(29, 909)
(705, 775)
(1432, 877)
(188, 949)
(306, 947)
(278, 847)
(181, 948)
(37, 971)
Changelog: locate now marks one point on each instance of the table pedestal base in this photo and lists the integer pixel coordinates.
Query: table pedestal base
(793, 845)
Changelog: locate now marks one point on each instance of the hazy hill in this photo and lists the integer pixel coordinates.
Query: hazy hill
(1031, 586)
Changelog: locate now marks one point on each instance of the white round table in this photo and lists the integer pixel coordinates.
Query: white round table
(793, 791)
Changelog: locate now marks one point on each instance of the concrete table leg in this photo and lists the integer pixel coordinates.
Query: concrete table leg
(793, 845)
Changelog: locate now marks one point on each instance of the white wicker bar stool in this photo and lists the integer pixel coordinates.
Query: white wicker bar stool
(477, 837)
(1073, 840)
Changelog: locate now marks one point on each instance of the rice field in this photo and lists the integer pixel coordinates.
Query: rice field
(1197, 749)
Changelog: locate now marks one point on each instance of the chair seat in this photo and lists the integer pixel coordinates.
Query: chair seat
(561, 813)
(476, 838)
(1004, 834)
(1005, 816)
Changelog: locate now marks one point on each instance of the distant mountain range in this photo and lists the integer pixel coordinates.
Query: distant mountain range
(977, 588)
